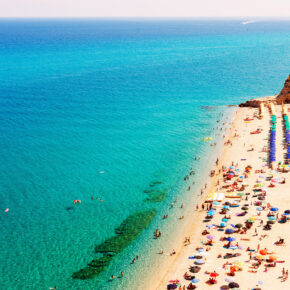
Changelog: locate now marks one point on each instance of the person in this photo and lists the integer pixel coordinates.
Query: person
(133, 261)
(53, 288)
(181, 205)
(112, 277)
(122, 274)
(137, 257)
(172, 253)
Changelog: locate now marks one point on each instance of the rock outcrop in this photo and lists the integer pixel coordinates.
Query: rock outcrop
(283, 97)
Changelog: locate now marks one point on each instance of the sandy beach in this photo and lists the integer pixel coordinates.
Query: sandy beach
(244, 149)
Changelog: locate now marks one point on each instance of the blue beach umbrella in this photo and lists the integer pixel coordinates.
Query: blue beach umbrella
(225, 220)
(229, 231)
(195, 280)
(231, 239)
(271, 218)
(226, 207)
(223, 224)
(216, 203)
(199, 261)
(274, 209)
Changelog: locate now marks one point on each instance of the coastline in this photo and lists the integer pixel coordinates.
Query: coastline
(165, 262)
(180, 263)
(196, 216)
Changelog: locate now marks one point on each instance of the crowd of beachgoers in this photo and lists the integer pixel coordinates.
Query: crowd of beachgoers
(240, 241)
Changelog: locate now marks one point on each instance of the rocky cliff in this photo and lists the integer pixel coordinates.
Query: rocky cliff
(283, 97)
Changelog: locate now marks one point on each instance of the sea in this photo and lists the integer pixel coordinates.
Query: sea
(105, 111)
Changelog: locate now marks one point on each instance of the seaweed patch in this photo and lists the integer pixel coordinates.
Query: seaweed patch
(125, 234)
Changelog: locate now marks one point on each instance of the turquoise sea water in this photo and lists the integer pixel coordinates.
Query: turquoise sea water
(123, 97)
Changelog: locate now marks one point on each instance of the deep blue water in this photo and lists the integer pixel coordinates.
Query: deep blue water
(78, 97)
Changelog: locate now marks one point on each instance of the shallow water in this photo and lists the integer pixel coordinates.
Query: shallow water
(121, 97)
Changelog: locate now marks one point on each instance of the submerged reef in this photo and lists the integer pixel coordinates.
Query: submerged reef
(156, 196)
(125, 234)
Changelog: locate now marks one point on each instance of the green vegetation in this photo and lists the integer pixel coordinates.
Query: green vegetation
(126, 233)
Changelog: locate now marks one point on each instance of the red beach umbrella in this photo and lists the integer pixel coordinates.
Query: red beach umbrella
(214, 275)
(263, 252)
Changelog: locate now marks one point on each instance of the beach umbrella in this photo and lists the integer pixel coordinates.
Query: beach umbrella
(250, 221)
(223, 224)
(263, 252)
(195, 280)
(226, 207)
(200, 250)
(204, 254)
(210, 237)
(199, 261)
(273, 258)
(229, 231)
(239, 226)
(171, 286)
(259, 257)
(234, 285)
(231, 239)
(245, 208)
(241, 247)
(224, 220)
(239, 264)
(214, 274)
(274, 209)
(260, 282)
(233, 226)
(259, 208)
(216, 203)
(232, 167)
(241, 194)
(271, 218)
(230, 279)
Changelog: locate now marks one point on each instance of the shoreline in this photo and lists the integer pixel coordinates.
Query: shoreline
(180, 262)
(197, 215)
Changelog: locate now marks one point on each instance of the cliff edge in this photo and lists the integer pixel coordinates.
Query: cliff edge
(283, 97)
